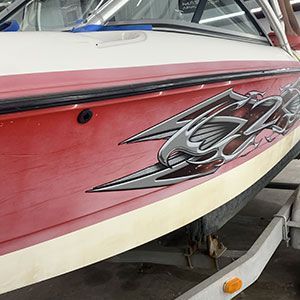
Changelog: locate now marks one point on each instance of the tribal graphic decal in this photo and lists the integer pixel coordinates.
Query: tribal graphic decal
(203, 138)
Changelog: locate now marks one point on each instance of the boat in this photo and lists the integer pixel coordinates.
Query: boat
(143, 118)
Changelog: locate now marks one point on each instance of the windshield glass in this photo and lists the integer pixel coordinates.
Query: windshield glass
(166, 10)
(227, 15)
(53, 15)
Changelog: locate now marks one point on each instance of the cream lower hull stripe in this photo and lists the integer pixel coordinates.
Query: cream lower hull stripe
(110, 237)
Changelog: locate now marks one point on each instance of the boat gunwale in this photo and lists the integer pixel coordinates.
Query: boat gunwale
(20, 104)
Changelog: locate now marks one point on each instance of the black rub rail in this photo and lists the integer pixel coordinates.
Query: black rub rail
(13, 105)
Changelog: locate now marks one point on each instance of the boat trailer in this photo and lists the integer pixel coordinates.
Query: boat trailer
(236, 269)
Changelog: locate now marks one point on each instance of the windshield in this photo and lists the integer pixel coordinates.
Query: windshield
(55, 15)
(52, 15)
(229, 15)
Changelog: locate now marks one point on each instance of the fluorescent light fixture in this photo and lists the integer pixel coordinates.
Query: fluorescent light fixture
(256, 10)
(228, 16)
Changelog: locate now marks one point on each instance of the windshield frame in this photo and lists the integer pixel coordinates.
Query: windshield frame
(195, 29)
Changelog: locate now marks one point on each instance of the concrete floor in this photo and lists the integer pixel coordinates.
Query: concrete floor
(107, 280)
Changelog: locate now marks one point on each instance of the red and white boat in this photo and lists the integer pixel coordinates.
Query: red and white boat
(113, 137)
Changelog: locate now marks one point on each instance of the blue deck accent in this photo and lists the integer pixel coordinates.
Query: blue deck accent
(91, 28)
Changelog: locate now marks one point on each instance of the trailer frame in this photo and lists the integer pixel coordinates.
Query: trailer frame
(249, 266)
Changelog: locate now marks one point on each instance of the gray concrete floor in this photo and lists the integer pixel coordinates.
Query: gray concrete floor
(107, 280)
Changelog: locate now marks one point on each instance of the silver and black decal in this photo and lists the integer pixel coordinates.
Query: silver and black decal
(203, 138)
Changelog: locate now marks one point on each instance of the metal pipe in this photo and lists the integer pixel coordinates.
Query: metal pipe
(5, 13)
(277, 10)
(275, 24)
(105, 12)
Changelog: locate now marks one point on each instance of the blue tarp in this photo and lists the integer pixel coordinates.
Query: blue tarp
(10, 26)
